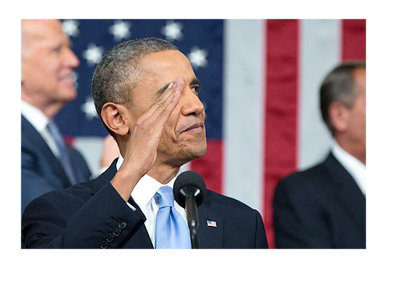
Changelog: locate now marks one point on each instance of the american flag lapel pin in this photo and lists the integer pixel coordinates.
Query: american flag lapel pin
(211, 223)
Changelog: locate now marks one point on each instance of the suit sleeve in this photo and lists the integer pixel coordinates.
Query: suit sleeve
(261, 238)
(104, 221)
(299, 218)
(33, 184)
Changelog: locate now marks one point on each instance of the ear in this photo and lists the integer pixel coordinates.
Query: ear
(339, 115)
(116, 118)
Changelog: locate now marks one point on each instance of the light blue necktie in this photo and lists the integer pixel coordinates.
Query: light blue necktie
(62, 149)
(171, 230)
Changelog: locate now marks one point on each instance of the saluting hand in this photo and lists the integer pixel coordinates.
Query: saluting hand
(141, 150)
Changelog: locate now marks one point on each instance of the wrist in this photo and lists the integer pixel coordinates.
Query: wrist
(124, 181)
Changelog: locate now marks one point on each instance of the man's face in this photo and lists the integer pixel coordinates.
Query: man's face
(47, 62)
(357, 113)
(184, 135)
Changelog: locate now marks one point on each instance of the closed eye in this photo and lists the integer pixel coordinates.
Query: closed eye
(57, 49)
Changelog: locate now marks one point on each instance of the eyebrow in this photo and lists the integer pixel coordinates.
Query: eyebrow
(161, 90)
(195, 81)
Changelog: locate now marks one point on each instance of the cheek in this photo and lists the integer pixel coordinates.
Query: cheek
(38, 77)
(173, 123)
(168, 136)
(361, 117)
(358, 127)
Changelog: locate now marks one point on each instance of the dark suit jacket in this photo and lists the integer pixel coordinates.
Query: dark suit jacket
(41, 171)
(93, 215)
(321, 207)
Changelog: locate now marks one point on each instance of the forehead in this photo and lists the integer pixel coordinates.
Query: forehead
(359, 76)
(166, 66)
(37, 34)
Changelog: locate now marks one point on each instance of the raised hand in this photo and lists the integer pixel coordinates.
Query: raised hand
(141, 151)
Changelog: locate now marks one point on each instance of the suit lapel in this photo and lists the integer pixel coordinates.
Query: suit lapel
(348, 192)
(37, 142)
(210, 234)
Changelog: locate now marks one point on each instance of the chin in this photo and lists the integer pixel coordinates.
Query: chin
(199, 150)
(188, 154)
(194, 153)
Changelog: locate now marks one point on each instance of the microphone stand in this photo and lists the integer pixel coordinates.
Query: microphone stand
(193, 219)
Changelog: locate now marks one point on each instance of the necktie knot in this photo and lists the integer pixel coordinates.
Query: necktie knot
(165, 197)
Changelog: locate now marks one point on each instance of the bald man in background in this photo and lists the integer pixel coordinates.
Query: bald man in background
(325, 206)
(47, 84)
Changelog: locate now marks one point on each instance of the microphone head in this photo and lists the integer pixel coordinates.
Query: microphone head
(189, 182)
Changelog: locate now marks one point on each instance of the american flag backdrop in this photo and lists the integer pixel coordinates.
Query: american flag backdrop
(259, 84)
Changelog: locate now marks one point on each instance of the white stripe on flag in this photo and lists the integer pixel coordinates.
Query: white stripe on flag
(91, 149)
(320, 52)
(243, 108)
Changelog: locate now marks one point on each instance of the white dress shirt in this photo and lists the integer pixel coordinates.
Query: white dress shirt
(144, 196)
(39, 121)
(352, 165)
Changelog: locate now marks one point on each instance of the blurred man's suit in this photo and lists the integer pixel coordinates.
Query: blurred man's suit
(41, 171)
(322, 207)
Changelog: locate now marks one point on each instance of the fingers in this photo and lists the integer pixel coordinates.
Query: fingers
(166, 103)
(173, 90)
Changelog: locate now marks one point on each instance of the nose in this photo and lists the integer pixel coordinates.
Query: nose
(191, 103)
(71, 59)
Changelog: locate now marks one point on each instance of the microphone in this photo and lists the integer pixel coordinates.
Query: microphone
(189, 192)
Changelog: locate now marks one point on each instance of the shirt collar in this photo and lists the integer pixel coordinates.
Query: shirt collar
(352, 165)
(34, 115)
(146, 188)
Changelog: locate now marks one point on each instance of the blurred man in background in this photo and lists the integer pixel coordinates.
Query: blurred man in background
(324, 206)
(47, 84)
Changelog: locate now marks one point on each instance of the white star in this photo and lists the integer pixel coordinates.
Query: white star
(172, 31)
(120, 30)
(70, 27)
(89, 109)
(198, 57)
(93, 54)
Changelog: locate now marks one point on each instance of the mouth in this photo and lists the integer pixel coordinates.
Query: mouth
(69, 78)
(195, 128)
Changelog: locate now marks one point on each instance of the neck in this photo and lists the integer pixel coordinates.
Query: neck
(49, 109)
(356, 150)
(163, 173)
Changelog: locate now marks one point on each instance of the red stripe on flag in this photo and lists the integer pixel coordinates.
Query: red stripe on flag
(353, 39)
(210, 165)
(280, 151)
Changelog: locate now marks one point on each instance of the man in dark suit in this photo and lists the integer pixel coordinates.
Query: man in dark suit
(146, 93)
(47, 84)
(324, 206)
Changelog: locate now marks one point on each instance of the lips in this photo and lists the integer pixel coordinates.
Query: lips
(67, 77)
(196, 127)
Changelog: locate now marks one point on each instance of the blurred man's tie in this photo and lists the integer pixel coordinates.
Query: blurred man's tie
(62, 149)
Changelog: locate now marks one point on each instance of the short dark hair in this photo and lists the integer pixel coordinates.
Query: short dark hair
(338, 86)
(119, 69)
